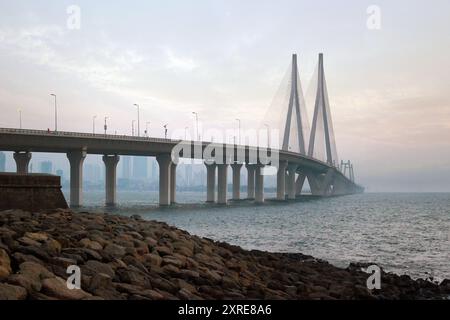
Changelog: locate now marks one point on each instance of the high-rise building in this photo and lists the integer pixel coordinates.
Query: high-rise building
(140, 170)
(126, 167)
(92, 173)
(2, 162)
(154, 174)
(46, 167)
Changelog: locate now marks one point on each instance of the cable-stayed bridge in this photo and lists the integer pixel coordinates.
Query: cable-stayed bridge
(305, 154)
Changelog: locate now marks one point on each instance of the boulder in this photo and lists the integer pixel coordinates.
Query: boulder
(28, 281)
(52, 246)
(5, 264)
(93, 245)
(11, 292)
(93, 267)
(100, 280)
(114, 250)
(37, 236)
(153, 259)
(57, 288)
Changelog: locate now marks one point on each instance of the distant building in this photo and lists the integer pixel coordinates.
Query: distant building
(93, 173)
(46, 167)
(60, 173)
(154, 173)
(126, 167)
(2, 162)
(140, 170)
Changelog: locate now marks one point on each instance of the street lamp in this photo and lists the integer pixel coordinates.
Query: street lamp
(146, 128)
(105, 126)
(196, 120)
(56, 113)
(132, 127)
(165, 130)
(20, 118)
(93, 124)
(239, 129)
(139, 129)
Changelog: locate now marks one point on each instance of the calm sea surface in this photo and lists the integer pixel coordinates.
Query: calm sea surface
(406, 233)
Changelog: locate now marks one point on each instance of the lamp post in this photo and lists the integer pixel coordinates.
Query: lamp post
(93, 124)
(196, 121)
(20, 118)
(239, 129)
(56, 112)
(146, 128)
(132, 127)
(139, 128)
(165, 130)
(105, 126)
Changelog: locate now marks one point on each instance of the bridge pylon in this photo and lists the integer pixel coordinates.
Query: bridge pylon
(322, 125)
(297, 106)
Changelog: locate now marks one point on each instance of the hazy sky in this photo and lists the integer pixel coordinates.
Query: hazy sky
(388, 87)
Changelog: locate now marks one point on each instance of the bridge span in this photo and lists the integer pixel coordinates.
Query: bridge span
(292, 168)
(294, 163)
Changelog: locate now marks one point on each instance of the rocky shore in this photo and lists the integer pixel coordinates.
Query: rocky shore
(129, 258)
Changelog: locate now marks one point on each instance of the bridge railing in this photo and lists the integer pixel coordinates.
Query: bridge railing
(84, 135)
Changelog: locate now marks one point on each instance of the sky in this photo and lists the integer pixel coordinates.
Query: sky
(387, 72)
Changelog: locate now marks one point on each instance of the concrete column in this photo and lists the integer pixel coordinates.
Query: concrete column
(250, 181)
(281, 180)
(173, 183)
(259, 184)
(236, 167)
(320, 183)
(222, 170)
(299, 184)
(110, 178)
(22, 161)
(76, 159)
(164, 163)
(210, 182)
(291, 169)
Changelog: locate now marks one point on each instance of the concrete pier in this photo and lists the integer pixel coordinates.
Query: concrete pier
(259, 184)
(236, 167)
(165, 163)
(76, 159)
(110, 178)
(250, 181)
(210, 182)
(173, 183)
(281, 180)
(299, 184)
(291, 190)
(22, 161)
(222, 170)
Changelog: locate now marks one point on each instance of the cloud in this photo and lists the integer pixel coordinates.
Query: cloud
(177, 62)
(103, 65)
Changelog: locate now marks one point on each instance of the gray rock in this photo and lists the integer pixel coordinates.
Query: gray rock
(57, 288)
(11, 292)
